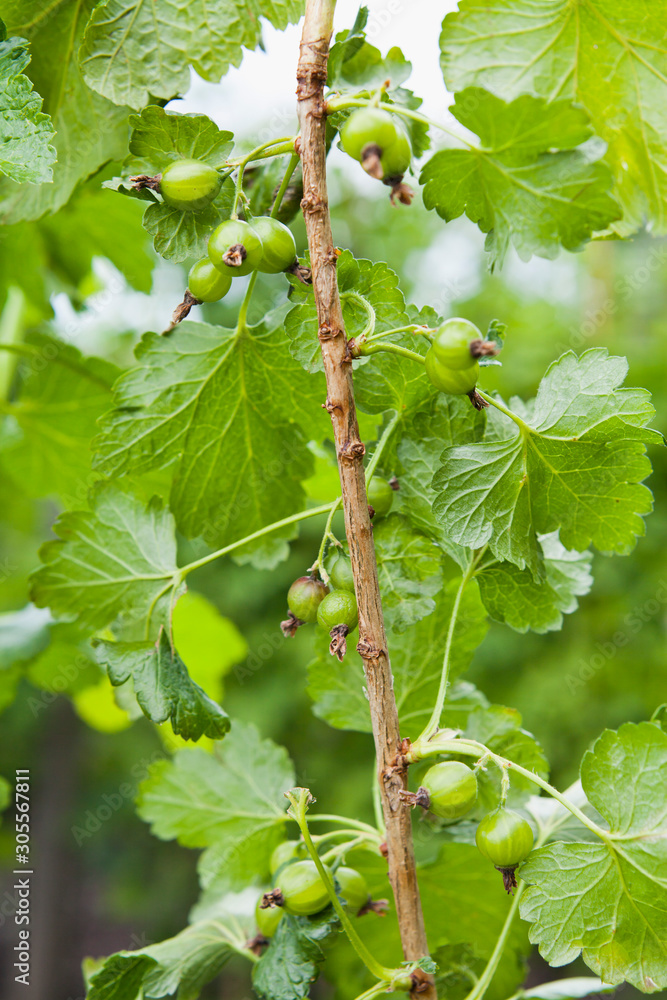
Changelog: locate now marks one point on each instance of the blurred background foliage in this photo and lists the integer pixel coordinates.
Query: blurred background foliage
(88, 276)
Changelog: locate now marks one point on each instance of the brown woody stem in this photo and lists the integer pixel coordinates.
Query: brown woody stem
(311, 77)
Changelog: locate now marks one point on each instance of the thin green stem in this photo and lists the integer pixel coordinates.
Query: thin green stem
(356, 824)
(11, 328)
(293, 519)
(470, 748)
(342, 849)
(328, 535)
(382, 443)
(254, 155)
(504, 409)
(368, 309)
(484, 981)
(151, 609)
(287, 177)
(299, 799)
(241, 323)
(334, 104)
(434, 722)
(320, 838)
(373, 991)
(392, 349)
(283, 147)
(411, 328)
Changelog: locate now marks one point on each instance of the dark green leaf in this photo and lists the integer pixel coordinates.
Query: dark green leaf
(163, 686)
(409, 572)
(513, 596)
(291, 962)
(230, 802)
(113, 560)
(609, 57)
(608, 900)
(527, 186)
(52, 418)
(575, 463)
(26, 153)
(207, 400)
(89, 129)
(136, 51)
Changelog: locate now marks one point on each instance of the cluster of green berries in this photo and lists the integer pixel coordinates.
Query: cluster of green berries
(235, 248)
(310, 600)
(301, 890)
(451, 361)
(449, 790)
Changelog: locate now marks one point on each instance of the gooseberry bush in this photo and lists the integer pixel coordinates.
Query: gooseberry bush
(463, 507)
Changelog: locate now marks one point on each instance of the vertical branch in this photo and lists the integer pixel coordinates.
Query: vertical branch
(311, 77)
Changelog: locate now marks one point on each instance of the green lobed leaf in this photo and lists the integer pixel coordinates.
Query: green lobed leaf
(120, 978)
(51, 419)
(179, 966)
(163, 686)
(231, 802)
(527, 186)
(159, 137)
(416, 659)
(608, 901)
(112, 560)
(576, 464)
(26, 153)
(513, 596)
(354, 62)
(180, 236)
(449, 420)
(409, 572)
(206, 400)
(89, 129)
(609, 57)
(293, 959)
(137, 51)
